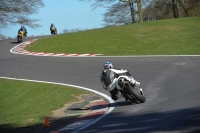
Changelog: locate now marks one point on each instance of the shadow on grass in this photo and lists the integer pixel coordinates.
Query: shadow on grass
(183, 120)
(54, 125)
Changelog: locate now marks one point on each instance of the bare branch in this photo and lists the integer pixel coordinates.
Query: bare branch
(16, 12)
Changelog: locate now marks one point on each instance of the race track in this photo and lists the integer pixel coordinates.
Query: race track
(171, 85)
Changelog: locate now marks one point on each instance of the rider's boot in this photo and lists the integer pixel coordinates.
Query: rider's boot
(115, 94)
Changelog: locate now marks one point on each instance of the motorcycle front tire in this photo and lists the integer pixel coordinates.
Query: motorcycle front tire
(20, 40)
(135, 94)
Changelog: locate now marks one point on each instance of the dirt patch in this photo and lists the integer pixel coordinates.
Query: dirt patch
(60, 112)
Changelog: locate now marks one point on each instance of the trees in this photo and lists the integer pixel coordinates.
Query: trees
(190, 7)
(160, 9)
(120, 11)
(139, 4)
(131, 11)
(17, 12)
(175, 8)
(163, 9)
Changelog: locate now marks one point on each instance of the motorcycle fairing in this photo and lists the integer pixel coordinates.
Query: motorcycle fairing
(20, 33)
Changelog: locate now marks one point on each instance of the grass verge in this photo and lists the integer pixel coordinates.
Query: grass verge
(162, 37)
(24, 103)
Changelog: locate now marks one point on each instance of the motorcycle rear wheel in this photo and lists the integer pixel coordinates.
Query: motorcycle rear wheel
(135, 94)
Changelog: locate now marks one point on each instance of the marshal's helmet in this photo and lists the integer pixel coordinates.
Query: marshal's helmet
(108, 65)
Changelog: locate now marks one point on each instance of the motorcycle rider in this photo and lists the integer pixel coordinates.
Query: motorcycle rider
(23, 29)
(53, 29)
(109, 77)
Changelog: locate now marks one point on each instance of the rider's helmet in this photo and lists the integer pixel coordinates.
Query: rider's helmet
(108, 65)
(52, 24)
(22, 26)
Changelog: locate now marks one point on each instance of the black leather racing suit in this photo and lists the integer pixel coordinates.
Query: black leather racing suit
(108, 79)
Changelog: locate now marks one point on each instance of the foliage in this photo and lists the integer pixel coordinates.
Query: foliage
(118, 14)
(120, 11)
(190, 7)
(17, 12)
(163, 9)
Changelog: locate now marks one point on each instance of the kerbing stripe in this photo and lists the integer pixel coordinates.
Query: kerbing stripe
(19, 49)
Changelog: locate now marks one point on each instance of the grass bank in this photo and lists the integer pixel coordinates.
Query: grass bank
(162, 37)
(24, 103)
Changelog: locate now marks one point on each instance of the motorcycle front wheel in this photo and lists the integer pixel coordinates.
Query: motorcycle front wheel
(20, 40)
(135, 94)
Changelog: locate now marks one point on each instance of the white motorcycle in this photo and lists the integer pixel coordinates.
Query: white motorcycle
(128, 87)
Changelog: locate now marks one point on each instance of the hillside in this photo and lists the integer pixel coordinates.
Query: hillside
(162, 37)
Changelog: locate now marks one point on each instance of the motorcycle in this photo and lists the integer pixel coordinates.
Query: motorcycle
(20, 36)
(53, 31)
(128, 87)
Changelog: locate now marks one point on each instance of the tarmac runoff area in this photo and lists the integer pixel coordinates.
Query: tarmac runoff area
(79, 115)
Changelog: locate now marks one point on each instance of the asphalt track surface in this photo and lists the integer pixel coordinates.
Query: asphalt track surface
(171, 85)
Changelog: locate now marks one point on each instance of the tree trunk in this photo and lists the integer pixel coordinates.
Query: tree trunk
(132, 12)
(175, 8)
(139, 5)
(184, 7)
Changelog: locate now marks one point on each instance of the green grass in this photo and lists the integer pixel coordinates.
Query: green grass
(24, 103)
(164, 37)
